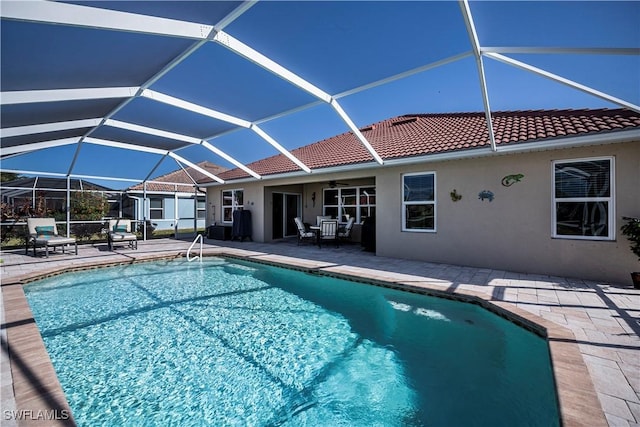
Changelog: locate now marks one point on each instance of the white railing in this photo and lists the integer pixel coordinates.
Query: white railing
(198, 237)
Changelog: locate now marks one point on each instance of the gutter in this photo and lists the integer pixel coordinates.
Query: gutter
(515, 148)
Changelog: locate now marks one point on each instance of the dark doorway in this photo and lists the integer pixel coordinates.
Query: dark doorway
(285, 208)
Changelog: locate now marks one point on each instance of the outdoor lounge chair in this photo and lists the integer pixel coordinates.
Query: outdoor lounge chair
(120, 232)
(303, 233)
(344, 233)
(43, 232)
(328, 232)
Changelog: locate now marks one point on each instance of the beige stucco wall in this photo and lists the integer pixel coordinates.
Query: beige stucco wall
(514, 231)
(511, 233)
(253, 201)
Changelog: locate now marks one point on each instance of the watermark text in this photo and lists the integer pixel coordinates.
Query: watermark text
(43, 415)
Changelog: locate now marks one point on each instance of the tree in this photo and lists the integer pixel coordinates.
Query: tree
(8, 176)
(87, 206)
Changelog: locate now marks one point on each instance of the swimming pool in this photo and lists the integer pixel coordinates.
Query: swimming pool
(228, 342)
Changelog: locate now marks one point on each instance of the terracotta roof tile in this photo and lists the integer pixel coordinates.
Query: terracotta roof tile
(423, 134)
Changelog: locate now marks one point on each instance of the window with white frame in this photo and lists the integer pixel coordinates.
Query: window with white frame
(156, 210)
(232, 200)
(201, 208)
(583, 198)
(419, 202)
(349, 202)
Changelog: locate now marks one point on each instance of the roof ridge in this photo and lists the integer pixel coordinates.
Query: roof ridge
(511, 112)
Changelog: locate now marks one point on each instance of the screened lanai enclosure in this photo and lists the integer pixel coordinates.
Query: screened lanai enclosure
(114, 94)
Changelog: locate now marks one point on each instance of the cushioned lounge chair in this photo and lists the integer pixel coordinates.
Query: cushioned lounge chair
(120, 232)
(303, 233)
(43, 232)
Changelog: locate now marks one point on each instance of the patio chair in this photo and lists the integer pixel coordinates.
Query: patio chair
(43, 232)
(344, 233)
(303, 233)
(120, 232)
(328, 232)
(321, 218)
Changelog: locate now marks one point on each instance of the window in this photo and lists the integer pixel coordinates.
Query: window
(418, 202)
(582, 199)
(352, 202)
(156, 210)
(201, 208)
(367, 202)
(232, 200)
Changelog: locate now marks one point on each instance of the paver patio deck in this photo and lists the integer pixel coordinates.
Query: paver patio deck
(593, 328)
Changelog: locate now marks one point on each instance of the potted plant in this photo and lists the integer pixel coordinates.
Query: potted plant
(631, 230)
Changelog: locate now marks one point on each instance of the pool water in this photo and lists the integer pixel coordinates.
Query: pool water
(227, 342)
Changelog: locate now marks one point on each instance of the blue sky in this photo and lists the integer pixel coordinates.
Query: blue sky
(339, 46)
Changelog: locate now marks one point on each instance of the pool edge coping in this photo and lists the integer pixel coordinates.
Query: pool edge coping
(578, 402)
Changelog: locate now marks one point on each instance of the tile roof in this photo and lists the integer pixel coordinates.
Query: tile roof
(423, 134)
(180, 177)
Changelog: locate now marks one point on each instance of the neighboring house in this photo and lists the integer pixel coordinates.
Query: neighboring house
(549, 199)
(174, 200)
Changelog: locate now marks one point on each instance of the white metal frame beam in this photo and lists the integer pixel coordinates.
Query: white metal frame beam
(59, 95)
(259, 59)
(124, 145)
(475, 44)
(176, 61)
(559, 79)
(179, 103)
(48, 127)
(562, 50)
(25, 148)
(179, 137)
(61, 13)
(91, 17)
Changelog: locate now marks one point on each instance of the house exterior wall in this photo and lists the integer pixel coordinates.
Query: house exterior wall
(514, 231)
(186, 212)
(253, 200)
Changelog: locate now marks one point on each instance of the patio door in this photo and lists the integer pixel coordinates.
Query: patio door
(286, 206)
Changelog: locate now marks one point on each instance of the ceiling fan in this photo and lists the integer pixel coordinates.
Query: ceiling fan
(334, 184)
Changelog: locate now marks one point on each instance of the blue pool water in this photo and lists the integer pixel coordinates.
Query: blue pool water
(227, 342)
